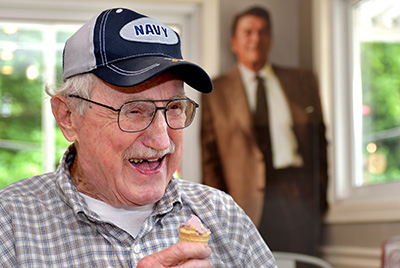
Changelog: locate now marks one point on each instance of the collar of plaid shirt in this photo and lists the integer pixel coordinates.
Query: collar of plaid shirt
(45, 222)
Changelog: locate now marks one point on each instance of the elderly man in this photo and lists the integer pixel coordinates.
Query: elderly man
(112, 201)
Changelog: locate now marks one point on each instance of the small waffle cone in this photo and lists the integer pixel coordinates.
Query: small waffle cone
(191, 235)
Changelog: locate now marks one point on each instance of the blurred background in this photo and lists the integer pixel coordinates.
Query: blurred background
(352, 46)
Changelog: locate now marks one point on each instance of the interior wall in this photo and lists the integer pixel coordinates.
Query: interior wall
(357, 245)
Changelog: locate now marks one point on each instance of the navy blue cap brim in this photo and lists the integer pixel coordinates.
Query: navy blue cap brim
(135, 71)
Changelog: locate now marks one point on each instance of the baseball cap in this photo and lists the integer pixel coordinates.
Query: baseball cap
(125, 48)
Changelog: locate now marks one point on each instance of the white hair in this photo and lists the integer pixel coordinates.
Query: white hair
(80, 85)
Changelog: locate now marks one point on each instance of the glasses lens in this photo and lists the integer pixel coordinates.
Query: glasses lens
(136, 115)
(180, 113)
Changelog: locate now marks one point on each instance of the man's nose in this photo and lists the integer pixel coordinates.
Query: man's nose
(255, 36)
(158, 132)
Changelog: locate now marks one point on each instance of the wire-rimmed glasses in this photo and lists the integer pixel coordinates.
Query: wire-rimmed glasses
(137, 115)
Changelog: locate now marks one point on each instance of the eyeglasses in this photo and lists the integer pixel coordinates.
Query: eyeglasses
(137, 115)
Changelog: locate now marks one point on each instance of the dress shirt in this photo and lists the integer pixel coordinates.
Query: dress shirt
(283, 139)
(45, 222)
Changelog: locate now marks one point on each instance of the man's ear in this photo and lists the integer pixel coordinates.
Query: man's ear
(64, 117)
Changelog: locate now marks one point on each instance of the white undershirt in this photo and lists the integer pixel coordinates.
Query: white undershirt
(284, 143)
(127, 218)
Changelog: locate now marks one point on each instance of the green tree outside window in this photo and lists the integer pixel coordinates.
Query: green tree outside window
(380, 73)
(23, 52)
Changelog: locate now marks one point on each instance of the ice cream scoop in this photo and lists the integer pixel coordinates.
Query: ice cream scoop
(193, 231)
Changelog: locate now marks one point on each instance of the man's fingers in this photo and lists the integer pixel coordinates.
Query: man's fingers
(186, 251)
(195, 253)
(192, 250)
(194, 263)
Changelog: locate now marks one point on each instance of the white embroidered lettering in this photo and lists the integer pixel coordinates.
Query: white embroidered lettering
(148, 30)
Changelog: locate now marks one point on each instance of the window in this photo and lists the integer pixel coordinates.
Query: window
(30, 57)
(359, 53)
(377, 90)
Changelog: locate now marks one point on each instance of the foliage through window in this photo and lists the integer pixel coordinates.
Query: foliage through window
(377, 40)
(28, 53)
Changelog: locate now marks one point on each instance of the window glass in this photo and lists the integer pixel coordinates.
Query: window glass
(377, 90)
(25, 50)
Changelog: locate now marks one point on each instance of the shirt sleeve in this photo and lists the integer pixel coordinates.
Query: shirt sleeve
(7, 240)
(258, 253)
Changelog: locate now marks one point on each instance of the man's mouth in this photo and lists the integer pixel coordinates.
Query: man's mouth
(146, 164)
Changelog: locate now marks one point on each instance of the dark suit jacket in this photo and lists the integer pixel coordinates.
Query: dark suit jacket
(231, 159)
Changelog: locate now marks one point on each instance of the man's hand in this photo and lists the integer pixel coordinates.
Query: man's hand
(179, 255)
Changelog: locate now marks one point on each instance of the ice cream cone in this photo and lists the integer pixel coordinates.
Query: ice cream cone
(191, 235)
(193, 231)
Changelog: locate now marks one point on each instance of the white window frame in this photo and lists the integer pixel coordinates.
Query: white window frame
(197, 19)
(333, 61)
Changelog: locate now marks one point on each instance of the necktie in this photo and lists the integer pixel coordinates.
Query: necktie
(261, 123)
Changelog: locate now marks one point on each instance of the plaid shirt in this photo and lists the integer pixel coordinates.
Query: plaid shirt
(45, 222)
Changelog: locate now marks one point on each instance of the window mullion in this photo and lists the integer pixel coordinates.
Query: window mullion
(48, 124)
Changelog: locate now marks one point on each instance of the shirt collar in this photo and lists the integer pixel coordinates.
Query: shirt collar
(67, 190)
(249, 75)
(171, 200)
(268, 71)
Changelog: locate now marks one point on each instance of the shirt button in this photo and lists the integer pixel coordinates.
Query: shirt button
(136, 249)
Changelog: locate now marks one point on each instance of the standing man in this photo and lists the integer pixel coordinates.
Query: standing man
(263, 139)
(113, 201)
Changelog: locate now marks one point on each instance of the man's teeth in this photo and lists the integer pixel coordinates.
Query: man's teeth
(140, 161)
